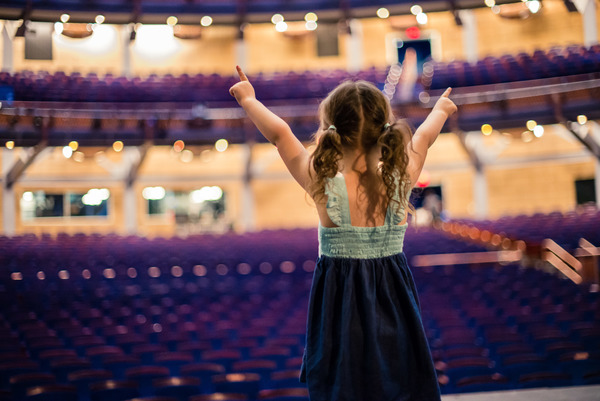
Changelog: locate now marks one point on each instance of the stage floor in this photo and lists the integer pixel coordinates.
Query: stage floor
(582, 393)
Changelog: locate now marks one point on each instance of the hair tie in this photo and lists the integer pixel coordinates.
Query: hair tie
(386, 126)
(332, 127)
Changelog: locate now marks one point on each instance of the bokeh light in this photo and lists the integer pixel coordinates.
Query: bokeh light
(281, 26)
(9, 144)
(117, 146)
(179, 145)
(538, 131)
(531, 125)
(67, 152)
(416, 9)
(311, 17)
(581, 119)
(277, 18)
(73, 145)
(172, 20)
(527, 136)
(65, 18)
(206, 21)
(422, 18)
(310, 25)
(486, 129)
(221, 145)
(187, 156)
(383, 12)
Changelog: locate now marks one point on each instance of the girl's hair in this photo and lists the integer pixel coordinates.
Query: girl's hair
(356, 115)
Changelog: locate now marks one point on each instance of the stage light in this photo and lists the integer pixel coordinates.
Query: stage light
(156, 42)
(416, 9)
(172, 20)
(27, 196)
(9, 144)
(383, 12)
(154, 193)
(582, 119)
(187, 156)
(311, 17)
(486, 129)
(178, 146)
(534, 6)
(531, 125)
(206, 21)
(221, 145)
(59, 27)
(281, 26)
(74, 145)
(538, 131)
(310, 25)
(204, 194)
(117, 146)
(67, 152)
(79, 157)
(65, 18)
(276, 18)
(100, 19)
(422, 18)
(526, 136)
(413, 32)
(490, 3)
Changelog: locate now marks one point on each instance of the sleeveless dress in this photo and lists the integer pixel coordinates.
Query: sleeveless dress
(365, 340)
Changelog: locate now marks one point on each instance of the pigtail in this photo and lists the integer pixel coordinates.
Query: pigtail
(324, 160)
(394, 163)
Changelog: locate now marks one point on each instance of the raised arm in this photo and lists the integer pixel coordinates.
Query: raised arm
(277, 131)
(427, 133)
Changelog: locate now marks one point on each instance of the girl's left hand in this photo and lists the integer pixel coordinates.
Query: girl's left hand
(243, 90)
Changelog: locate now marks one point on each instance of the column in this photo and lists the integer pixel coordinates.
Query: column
(130, 210)
(241, 51)
(126, 56)
(587, 9)
(247, 198)
(354, 46)
(469, 35)
(9, 210)
(7, 46)
(480, 194)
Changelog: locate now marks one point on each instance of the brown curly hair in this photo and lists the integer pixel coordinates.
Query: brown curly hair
(356, 115)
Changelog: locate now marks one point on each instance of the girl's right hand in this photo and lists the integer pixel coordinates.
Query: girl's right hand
(243, 90)
(444, 104)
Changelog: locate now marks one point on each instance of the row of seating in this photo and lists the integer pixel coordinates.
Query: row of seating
(129, 316)
(564, 228)
(290, 86)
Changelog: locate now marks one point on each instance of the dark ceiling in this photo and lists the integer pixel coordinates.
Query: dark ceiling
(223, 11)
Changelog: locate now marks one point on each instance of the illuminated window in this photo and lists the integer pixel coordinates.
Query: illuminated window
(199, 210)
(40, 204)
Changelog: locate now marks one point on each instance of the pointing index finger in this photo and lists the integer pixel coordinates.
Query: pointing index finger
(243, 76)
(447, 92)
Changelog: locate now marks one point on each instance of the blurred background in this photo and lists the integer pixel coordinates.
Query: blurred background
(150, 233)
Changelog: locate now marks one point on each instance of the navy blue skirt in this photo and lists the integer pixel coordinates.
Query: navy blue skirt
(365, 338)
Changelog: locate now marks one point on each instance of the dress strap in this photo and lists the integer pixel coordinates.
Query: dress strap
(338, 205)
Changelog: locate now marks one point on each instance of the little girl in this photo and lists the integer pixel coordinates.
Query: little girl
(365, 339)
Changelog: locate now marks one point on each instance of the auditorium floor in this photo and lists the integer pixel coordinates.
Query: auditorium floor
(583, 393)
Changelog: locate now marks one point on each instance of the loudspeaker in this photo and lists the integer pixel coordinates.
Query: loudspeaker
(327, 40)
(38, 41)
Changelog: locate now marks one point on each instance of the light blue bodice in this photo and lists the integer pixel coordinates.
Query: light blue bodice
(348, 241)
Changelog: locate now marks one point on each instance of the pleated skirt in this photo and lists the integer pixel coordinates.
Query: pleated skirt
(365, 339)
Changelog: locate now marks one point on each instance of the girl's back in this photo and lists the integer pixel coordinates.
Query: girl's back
(365, 339)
